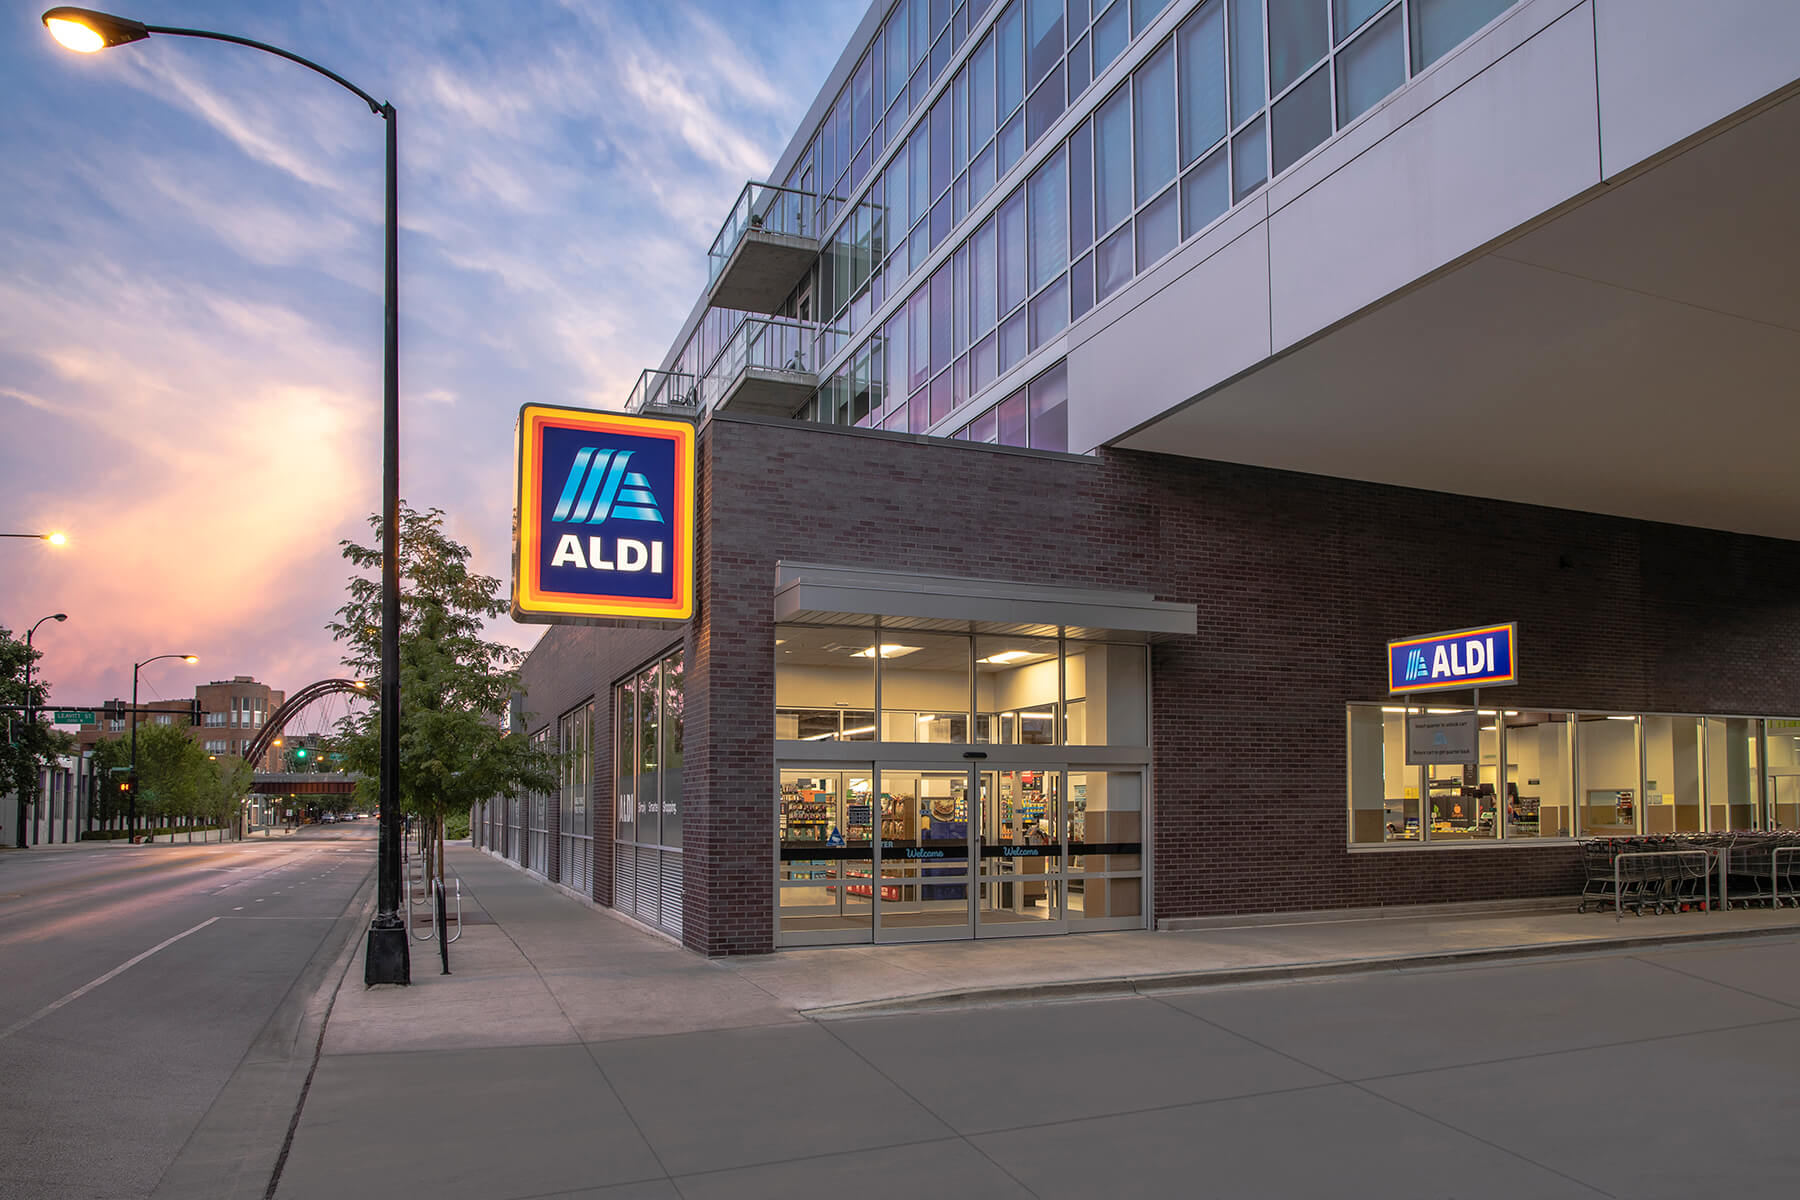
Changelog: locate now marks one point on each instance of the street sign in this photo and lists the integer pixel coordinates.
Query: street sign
(72, 716)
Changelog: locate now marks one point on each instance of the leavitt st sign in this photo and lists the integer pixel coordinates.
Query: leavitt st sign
(605, 520)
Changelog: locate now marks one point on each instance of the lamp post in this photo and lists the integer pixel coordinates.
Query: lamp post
(131, 796)
(387, 959)
(55, 539)
(30, 718)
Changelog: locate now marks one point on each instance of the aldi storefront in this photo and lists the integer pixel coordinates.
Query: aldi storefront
(936, 689)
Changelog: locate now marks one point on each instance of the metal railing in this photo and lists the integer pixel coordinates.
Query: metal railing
(767, 207)
(759, 343)
(664, 389)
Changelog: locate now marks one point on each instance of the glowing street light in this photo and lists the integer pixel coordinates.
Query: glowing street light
(86, 32)
(55, 539)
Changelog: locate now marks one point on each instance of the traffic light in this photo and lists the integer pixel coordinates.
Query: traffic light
(125, 787)
(300, 753)
(194, 712)
(114, 709)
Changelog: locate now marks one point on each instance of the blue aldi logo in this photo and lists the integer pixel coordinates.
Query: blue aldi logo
(1465, 658)
(605, 516)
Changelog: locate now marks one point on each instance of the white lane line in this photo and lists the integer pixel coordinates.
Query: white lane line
(85, 988)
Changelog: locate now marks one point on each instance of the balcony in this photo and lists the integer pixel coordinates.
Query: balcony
(658, 392)
(766, 368)
(768, 243)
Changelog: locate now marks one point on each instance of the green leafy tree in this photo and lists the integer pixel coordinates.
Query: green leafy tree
(28, 747)
(454, 682)
(177, 779)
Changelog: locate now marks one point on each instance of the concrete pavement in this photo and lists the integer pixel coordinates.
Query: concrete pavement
(573, 1053)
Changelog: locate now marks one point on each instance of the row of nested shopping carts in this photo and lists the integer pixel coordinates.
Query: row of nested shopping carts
(1691, 873)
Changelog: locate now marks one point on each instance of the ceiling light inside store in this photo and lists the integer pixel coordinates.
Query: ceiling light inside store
(1621, 718)
(1006, 657)
(1385, 709)
(888, 650)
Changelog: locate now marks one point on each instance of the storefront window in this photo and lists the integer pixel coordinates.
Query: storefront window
(824, 685)
(1384, 791)
(673, 734)
(1536, 796)
(1672, 775)
(1782, 738)
(649, 824)
(1606, 762)
(924, 686)
(1731, 773)
(625, 761)
(1016, 700)
(1106, 689)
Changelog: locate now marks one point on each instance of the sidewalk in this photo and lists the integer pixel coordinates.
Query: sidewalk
(416, 1087)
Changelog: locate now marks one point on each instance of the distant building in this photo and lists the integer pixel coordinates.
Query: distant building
(231, 712)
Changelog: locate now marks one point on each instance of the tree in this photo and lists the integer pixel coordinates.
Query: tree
(454, 682)
(28, 747)
(176, 778)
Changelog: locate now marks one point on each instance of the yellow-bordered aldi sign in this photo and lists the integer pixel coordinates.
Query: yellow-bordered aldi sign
(605, 517)
(1464, 658)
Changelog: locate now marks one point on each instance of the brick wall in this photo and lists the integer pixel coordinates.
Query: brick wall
(1299, 582)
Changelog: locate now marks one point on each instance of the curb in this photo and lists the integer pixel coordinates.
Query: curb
(1115, 987)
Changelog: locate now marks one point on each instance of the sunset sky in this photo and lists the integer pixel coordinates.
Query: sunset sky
(190, 288)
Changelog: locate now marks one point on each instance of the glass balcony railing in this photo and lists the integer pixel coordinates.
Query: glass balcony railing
(663, 389)
(764, 207)
(780, 349)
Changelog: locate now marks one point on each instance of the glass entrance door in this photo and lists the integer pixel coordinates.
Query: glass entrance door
(925, 882)
(1019, 853)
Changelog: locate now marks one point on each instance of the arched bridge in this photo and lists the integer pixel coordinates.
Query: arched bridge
(293, 706)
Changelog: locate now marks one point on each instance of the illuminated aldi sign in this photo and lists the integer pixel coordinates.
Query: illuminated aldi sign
(1464, 658)
(605, 517)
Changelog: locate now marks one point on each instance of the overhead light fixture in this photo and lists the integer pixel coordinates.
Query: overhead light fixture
(888, 650)
(1386, 709)
(1621, 718)
(1006, 657)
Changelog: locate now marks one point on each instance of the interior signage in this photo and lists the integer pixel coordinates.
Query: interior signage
(604, 524)
(1464, 658)
(1441, 738)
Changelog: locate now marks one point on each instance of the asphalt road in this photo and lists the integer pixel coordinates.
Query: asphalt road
(138, 980)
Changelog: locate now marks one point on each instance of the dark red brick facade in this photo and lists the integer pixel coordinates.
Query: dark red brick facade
(1299, 581)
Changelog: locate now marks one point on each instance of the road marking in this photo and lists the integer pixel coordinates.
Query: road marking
(85, 988)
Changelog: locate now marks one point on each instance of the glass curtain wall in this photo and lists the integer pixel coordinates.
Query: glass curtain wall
(1235, 93)
(648, 734)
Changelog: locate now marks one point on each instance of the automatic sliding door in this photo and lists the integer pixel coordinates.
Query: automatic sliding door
(825, 874)
(925, 881)
(1020, 853)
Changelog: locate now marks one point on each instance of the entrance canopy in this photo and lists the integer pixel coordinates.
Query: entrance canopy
(808, 593)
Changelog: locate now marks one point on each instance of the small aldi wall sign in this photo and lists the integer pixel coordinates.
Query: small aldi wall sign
(605, 517)
(1464, 658)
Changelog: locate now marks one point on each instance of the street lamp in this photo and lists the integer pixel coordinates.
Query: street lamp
(131, 795)
(30, 717)
(55, 539)
(387, 959)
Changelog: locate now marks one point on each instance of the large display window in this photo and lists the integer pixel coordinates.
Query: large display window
(1545, 774)
(648, 749)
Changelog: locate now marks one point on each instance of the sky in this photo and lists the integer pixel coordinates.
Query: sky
(191, 288)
